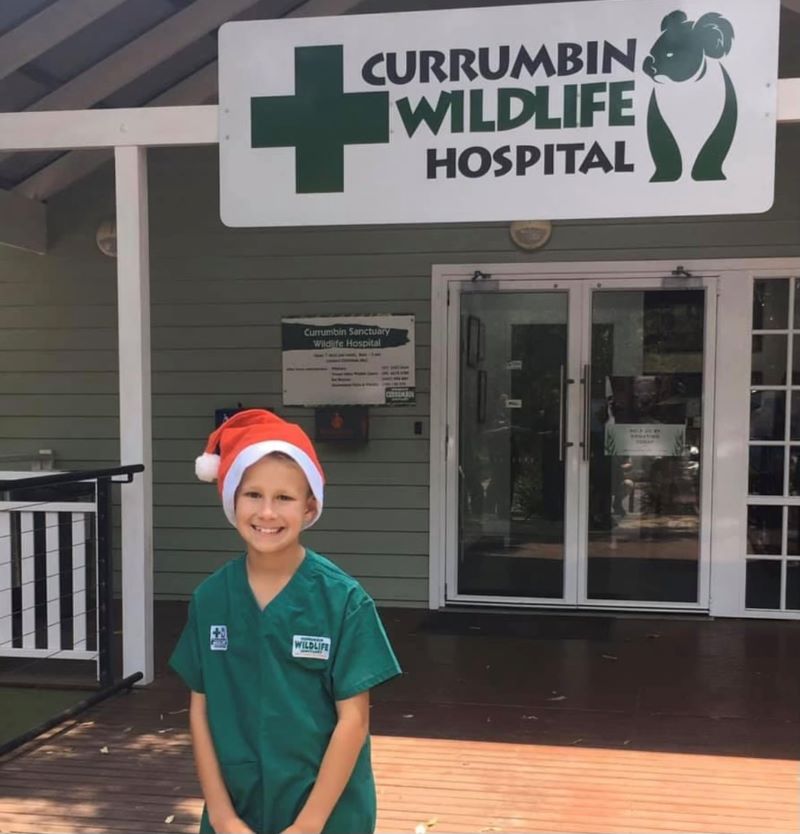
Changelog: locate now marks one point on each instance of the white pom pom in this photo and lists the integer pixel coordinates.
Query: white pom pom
(206, 467)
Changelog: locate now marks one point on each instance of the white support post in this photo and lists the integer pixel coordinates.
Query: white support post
(79, 580)
(53, 580)
(136, 445)
(6, 624)
(28, 578)
(789, 100)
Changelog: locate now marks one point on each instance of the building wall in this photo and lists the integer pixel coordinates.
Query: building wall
(217, 299)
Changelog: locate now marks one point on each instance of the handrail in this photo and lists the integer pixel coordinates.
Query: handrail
(70, 477)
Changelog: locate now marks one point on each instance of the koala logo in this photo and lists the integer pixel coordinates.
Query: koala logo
(681, 54)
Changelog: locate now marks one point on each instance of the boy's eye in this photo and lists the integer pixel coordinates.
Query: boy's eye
(251, 493)
(285, 498)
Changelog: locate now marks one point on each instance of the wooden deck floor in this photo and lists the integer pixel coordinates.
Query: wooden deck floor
(609, 730)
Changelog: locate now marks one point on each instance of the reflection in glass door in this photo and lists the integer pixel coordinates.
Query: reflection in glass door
(643, 445)
(512, 444)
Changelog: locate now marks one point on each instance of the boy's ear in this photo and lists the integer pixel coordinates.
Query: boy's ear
(311, 507)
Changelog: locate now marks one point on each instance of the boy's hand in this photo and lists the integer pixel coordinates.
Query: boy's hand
(296, 829)
(231, 825)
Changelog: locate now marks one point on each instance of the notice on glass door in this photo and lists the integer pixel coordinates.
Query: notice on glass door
(645, 439)
(348, 360)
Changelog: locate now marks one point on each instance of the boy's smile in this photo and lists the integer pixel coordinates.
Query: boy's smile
(273, 505)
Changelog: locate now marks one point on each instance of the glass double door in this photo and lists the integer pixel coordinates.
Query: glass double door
(579, 468)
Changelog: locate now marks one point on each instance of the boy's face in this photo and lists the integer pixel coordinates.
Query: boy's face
(273, 504)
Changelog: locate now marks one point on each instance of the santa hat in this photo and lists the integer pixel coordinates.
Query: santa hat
(246, 438)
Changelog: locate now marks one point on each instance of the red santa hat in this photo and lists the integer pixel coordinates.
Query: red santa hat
(244, 439)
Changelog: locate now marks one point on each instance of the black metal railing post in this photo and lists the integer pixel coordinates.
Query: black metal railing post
(105, 585)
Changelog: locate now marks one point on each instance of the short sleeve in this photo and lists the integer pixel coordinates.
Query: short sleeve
(186, 659)
(364, 656)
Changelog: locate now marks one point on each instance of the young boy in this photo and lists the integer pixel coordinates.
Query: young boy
(280, 651)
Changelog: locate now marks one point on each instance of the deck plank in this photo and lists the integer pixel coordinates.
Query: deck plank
(146, 778)
(471, 740)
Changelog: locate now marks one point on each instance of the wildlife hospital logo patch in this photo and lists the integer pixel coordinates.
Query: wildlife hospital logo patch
(317, 648)
(219, 638)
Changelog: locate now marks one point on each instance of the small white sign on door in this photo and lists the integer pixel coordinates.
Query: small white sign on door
(645, 439)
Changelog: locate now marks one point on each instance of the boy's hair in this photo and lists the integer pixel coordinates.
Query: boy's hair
(283, 456)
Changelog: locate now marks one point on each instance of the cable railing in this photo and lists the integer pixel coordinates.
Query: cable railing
(56, 571)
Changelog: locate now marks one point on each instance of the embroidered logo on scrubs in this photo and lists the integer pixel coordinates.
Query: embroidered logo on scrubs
(219, 638)
(318, 648)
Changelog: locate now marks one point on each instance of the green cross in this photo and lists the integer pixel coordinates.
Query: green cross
(319, 120)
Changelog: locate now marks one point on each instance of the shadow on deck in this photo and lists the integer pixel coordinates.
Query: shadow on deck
(502, 722)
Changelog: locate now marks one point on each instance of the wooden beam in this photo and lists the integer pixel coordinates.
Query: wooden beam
(23, 223)
(49, 27)
(196, 125)
(135, 409)
(152, 126)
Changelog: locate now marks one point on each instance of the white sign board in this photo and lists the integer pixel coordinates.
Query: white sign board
(609, 108)
(348, 360)
(645, 439)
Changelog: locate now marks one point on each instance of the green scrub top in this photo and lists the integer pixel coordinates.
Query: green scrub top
(271, 679)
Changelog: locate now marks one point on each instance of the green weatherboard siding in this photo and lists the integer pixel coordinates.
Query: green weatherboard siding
(319, 120)
(213, 352)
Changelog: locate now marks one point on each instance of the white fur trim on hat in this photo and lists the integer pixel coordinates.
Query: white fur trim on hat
(251, 454)
(206, 467)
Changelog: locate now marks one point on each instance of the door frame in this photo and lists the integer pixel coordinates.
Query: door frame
(699, 280)
(726, 459)
(572, 289)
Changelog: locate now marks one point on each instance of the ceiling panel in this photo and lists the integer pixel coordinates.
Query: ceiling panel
(17, 91)
(789, 50)
(19, 166)
(103, 37)
(12, 14)
(165, 75)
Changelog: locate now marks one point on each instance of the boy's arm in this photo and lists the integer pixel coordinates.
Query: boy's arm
(337, 765)
(221, 813)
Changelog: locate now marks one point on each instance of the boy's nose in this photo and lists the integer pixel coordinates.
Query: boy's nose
(267, 509)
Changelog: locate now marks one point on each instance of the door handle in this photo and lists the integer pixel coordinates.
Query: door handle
(587, 409)
(563, 443)
(561, 392)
